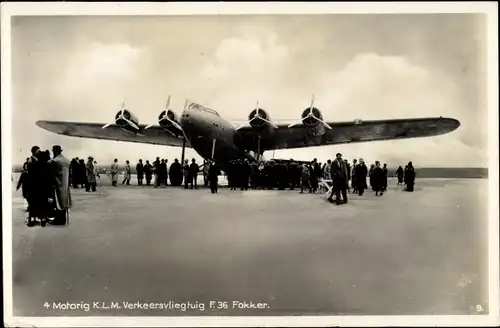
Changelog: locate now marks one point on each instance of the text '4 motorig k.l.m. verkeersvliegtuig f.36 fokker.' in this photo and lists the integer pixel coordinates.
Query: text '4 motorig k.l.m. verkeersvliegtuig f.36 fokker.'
(215, 138)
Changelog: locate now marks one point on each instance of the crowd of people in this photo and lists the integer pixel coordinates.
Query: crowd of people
(45, 186)
(307, 176)
(242, 175)
(46, 181)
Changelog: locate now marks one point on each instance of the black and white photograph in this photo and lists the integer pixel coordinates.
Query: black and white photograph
(250, 164)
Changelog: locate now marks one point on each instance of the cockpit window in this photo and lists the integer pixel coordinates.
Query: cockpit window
(203, 108)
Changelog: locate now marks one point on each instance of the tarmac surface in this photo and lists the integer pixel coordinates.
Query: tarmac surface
(400, 254)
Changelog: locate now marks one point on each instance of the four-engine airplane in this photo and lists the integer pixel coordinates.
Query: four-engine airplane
(213, 137)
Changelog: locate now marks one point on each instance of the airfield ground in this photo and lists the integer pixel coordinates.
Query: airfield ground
(404, 253)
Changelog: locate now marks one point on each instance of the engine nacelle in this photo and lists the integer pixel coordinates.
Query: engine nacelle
(166, 121)
(125, 119)
(311, 117)
(258, 118)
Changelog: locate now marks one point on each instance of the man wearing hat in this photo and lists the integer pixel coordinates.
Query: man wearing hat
(91, 178)
(31, 183)
(339, 179)
(62, 193)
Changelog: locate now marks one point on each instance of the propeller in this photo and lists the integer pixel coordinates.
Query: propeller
(256, 116)
(166, 118)
(133, 124)
(121, 113)
(311, 114)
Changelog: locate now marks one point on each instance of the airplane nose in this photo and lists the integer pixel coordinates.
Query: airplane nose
(188, 121)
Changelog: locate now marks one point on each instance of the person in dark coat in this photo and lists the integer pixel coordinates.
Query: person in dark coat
(82, 173)
(175, 173)
(193, 171)
(162, 173)
(90, 175)
(261, 168)
(230, 175)
(280, 176)
(360, 172)
(399, 174)
(206, 167)
(40, 192)
(384, 186)
(156, 172)
(72, 165)
(148, 173)
(293, 174)
(354, 184)
(316, 175)
(372, 167)
(30, 183)
(185, 173)
(22, 183)
(239, 175)
(410, 177)
(213, 177)
(140, 172)
(339, 175)
(25, 165)
(378, 179)
(254, 175)
(246, 171)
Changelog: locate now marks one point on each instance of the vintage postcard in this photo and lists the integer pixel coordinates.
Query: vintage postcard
(250, 164)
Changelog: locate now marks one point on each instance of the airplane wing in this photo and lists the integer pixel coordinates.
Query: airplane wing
(154, 135)
(346, 132)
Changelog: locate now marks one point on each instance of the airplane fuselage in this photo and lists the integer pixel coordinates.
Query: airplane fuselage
(202, 128)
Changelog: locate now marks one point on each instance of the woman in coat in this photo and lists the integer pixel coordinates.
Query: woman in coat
(378, 178)
(361, 172)
(410, 177)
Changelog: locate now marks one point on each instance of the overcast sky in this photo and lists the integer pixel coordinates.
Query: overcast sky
(358, 66)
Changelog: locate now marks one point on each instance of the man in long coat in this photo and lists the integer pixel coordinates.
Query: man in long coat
(354, 183)
(139, 168)
(91, 178)
(378, 179)
(114, 172)
(62, 194)
(213, 176)
(360, 173)
(410, 177)
(339, 179)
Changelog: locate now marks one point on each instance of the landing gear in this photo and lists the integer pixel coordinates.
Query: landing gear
(258, 148)
(183, 150)
(213, 148)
